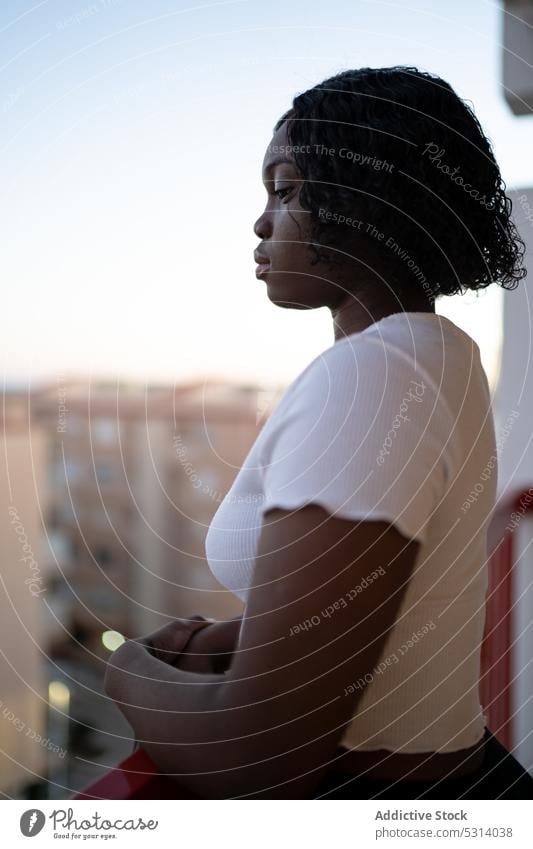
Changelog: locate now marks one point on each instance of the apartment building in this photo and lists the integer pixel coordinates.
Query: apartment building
(132, 476)
(27, 620)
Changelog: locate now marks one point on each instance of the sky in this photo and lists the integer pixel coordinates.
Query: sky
(132, 143)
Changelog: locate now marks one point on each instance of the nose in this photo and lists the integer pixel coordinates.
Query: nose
(263, 227)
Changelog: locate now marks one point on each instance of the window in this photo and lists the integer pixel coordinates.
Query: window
(104, 472)
(67, 471)
(105, 431)
(73, 470)
(103, 555)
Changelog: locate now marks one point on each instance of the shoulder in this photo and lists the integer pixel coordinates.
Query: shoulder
(355, 393)
(365, 367)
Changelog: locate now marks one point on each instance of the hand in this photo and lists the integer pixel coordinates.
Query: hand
(168, 642)
(196, 656)
(210, 650)
(165, 644)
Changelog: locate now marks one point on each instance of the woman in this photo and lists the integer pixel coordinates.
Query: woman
(354, 670)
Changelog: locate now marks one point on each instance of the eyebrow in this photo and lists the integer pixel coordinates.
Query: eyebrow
(279, 160)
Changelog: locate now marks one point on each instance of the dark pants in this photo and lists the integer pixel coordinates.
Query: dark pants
(500, 776)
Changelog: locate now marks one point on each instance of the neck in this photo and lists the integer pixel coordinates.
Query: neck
(353, 315)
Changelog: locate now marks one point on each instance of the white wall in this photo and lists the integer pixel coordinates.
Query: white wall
(514, 392)
(513, 409)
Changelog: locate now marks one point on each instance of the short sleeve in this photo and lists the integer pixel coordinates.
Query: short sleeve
(364, 433)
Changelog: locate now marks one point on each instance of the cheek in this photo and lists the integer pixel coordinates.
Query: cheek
(291, 227)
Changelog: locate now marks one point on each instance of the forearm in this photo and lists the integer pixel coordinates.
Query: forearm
(137, 681)
(172, 714)
(146, 688)
(203, 731)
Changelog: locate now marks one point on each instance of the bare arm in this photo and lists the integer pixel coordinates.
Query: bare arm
(273, 721)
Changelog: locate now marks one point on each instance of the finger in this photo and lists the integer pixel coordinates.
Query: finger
(169, 643)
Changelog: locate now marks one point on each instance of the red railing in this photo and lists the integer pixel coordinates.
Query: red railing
(495, 681)
(137, 777)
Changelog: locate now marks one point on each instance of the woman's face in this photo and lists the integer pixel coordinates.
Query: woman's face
(283, 256)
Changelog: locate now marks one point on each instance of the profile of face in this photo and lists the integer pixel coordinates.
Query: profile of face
(284, 257)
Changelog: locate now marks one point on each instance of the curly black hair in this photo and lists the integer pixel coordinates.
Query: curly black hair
(394, 158)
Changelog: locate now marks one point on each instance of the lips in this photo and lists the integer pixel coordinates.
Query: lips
(261, 259)
(263, 263)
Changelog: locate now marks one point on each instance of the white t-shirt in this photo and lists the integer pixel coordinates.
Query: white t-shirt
(393, 422)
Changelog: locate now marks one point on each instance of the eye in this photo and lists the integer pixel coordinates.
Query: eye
(282, 193)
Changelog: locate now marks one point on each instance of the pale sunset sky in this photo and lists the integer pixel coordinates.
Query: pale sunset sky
(133, 137)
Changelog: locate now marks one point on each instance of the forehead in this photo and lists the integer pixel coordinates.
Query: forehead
(277, 151)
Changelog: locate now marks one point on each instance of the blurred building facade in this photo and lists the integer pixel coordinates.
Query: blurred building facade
(129, 479)
(24, 624)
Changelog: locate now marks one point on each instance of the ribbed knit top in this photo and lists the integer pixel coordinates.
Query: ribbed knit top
(393, 422)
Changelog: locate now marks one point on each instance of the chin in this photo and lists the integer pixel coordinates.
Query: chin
(284, 294)
(287, 305)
